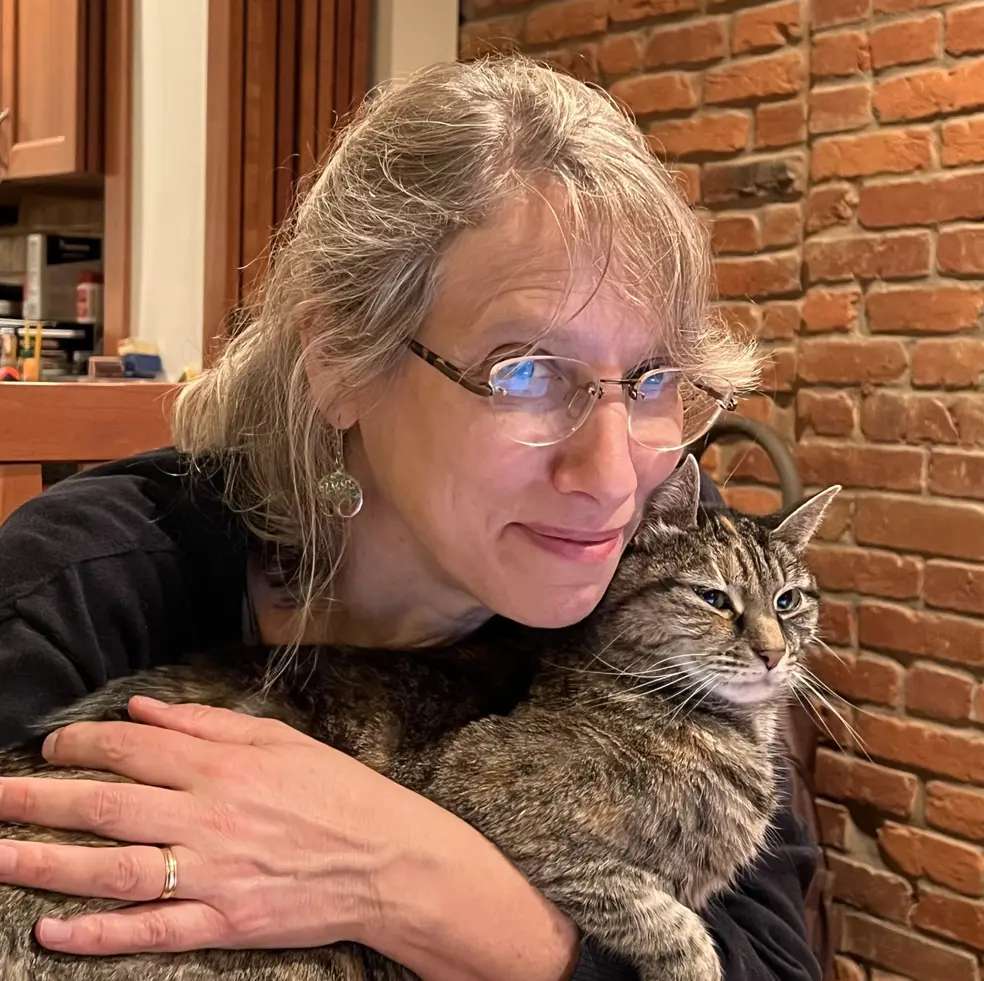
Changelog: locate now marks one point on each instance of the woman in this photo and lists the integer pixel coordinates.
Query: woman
(483, 343)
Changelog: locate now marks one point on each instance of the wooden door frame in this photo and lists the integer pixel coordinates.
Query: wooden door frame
(118, 170)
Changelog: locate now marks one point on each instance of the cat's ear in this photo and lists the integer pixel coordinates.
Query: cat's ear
(799, 527)
(676, 500)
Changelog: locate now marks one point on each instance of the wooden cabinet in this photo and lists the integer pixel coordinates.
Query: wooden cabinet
(51, 87)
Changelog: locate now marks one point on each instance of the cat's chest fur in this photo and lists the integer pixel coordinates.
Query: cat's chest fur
(703, 790)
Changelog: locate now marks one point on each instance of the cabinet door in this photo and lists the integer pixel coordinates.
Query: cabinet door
(43, 92)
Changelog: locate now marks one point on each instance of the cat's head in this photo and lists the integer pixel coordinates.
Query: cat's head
(712, 601)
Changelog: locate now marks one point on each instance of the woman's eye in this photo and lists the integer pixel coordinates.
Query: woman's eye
(788, 600)
(649, 386)
(717, 598)
(529, 378)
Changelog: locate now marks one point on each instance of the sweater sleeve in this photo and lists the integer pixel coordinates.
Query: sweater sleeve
(106, 574)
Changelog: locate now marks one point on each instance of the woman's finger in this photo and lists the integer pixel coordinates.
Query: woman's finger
(161, 928)
(208, 722)
(143, 753)
(110, 809)
(133, 873)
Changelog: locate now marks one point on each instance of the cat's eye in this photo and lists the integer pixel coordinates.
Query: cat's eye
(788, 600)
(717, 598)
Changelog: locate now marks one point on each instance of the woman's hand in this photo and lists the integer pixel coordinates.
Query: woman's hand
(280, 842)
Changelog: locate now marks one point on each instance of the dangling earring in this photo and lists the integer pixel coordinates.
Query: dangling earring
(341, 494)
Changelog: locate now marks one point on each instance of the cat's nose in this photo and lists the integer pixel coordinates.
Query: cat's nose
(771, 658)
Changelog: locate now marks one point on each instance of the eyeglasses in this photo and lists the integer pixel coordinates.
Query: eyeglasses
(540, 399)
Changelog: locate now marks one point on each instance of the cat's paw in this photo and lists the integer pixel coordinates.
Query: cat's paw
(698, 963)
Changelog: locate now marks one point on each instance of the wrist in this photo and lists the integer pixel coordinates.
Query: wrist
(450, 905)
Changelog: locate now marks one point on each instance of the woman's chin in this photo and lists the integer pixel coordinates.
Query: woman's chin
(545, 607)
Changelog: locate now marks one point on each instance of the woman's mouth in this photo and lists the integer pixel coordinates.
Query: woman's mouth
(574, 545)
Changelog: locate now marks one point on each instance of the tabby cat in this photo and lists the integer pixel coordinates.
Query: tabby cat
(625, 764)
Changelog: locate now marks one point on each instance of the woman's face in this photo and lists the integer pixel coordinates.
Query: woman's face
(532, 533)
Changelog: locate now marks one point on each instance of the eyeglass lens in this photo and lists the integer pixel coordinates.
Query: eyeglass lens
(539, 400)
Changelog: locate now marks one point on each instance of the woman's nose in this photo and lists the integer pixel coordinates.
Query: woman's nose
(597, 459)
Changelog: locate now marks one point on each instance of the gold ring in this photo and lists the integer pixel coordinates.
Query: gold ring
(170, 873)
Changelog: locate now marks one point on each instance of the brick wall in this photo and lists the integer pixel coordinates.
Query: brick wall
(837, 147)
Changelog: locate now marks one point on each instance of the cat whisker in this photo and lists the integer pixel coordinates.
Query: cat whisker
(821, 696)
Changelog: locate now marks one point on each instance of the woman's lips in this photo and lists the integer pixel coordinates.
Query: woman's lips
(574, 545)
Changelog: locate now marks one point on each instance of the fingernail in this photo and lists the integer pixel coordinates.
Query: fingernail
(149, 702)
(54, 931)
(7, 859)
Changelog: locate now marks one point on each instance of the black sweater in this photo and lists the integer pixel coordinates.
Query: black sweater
(128, 565)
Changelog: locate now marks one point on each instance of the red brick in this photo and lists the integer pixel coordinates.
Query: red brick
(578, 60)
(968, 414)
(899, 6)
(781, 225)
(886, 627)
(923, 310)
(847, 778)
(826, 413)
(834, 820)
(761, 408)
(951, 363)
(956, 809)
(780, 124)
(756, 78)
(893, 417)
(687, 179)
(979, 704)
(939, 693)
(693, 43)
(956, 753)
(487, 36)
(744, 317)
(707, 132)
(841, 53)
(764, 28)
(619, 54)
(882, 893)
(751, 500)
(837, 622)
(779, 370)
(831, 310)
(624, 11)
(753, 179)
(848, 970)
(668, 92)
(834, 109)
(568, 18)
(963, 141)
(852, 465)
(736, 233)
(955, 586)
(930, 92)
(960, 251)
(890, 151)
(957, 473)
(863, 570)
(899, 255)
(950, 916)
(903, 950)
(831, 13)
(948, 529)
(860, 678)
(780, 321)
(923, 202)
(751, 462)
(906, 42)
(762, 276)
(925, 854)
(965, 29)
(851, 362)
(830, 205)
(838, 518)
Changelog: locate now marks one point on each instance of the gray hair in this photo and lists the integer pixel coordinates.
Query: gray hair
(354, 273)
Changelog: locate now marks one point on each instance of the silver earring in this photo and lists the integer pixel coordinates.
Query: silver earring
(341, 494)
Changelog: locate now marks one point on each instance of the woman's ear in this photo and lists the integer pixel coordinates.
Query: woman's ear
(340, 412)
